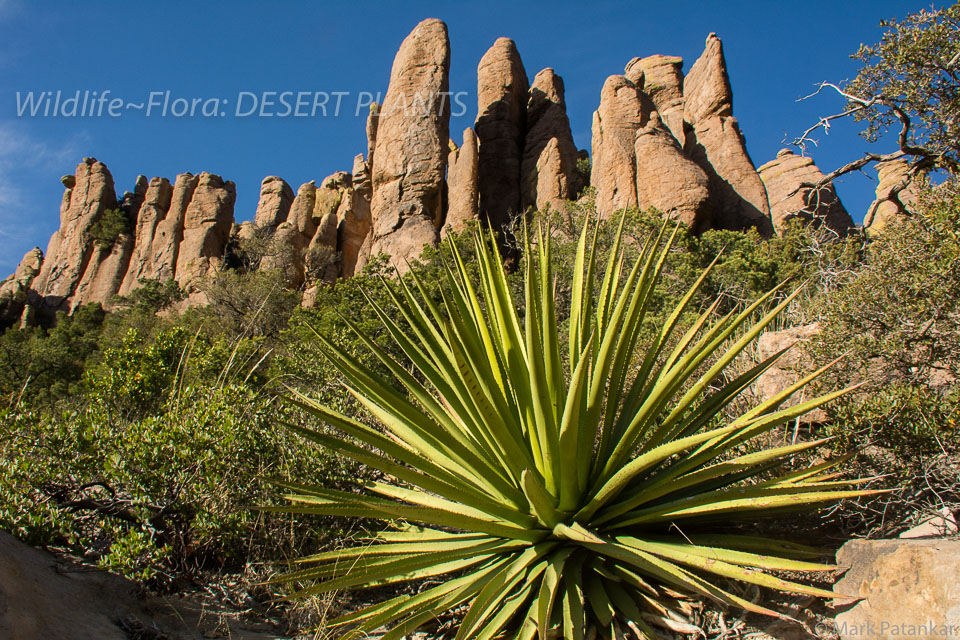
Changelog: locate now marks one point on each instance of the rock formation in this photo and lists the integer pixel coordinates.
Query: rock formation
(787, 180)
(15, 290)
(661, 78)
(502, 93)
(706, 87)
(463, 190)
(355, 225)
(169, 233)
(105, 272)
(896, 195)
(793, 365)
(89, 194)
(898, 588)
(155, 206)
(659, 140)
(410, 153)
(276, 196)
(621, 114)
(206, 229)
(301, 210)
(668, 180)
(714, 141)
(549, 167)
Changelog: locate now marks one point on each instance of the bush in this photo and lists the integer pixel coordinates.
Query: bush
(166, 496)
(108, 227)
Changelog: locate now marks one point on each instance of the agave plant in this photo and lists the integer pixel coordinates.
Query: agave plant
(560, 497)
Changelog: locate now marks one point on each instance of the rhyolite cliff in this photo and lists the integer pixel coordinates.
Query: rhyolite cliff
(660, 138)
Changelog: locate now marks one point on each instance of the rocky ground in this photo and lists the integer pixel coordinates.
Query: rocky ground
(50, 598)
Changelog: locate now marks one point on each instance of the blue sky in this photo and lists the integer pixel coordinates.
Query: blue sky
(230, 51)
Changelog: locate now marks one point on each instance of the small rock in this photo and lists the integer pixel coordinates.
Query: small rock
(906, 589)
(941, 524)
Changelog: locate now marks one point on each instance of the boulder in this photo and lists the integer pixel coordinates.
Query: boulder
(789, 369)
(787, 180)
(549, 167)
(206, 229)
(46, 598)
(502, 92)
(245, 230)
(411, 146)
(661, 78)
(463, 192)
(623, 110)
(895, 195)
(941, 523)
(39, 601)
(899, 589)
(668, 180)
(276, 196)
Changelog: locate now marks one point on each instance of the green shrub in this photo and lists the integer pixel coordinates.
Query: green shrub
(166, 495)
(108, 227)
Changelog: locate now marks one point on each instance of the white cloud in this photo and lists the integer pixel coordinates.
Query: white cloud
(22, 154)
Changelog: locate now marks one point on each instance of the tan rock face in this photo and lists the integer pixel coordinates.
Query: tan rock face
(668, 180)
(14, 290)
(276, 196)
(784, 178)
(355, 224)
(206, 228)
(105, 273)
(502, 92)
(321, 261)
(661, 78)
(706, 88)
(717, 145)
(329, 196)
(790, 368)
(463, 184)
(895, 195)
(301, 210)
(623, 110)
(714, 141)
(70, 251)
(549, 167)
(411, 146)
(156, 205)
(286, 254)
(909, 589)
(372, 131)
(169, 233)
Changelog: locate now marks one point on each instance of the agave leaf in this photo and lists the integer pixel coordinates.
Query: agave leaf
(550, 587)
(500, 586)
(717, 561)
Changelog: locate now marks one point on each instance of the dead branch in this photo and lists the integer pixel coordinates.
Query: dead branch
(925, 158)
